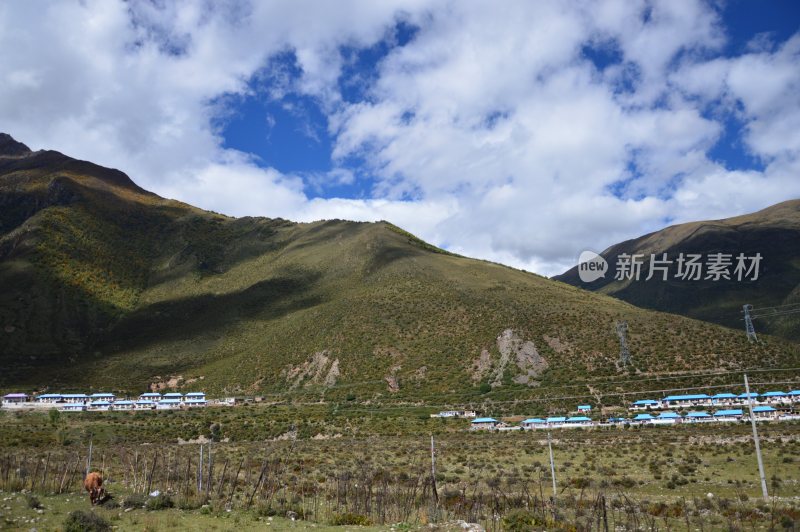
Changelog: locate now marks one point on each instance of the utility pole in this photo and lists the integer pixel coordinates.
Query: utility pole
(552, 471)
(755, 437)
(433, 472)
(624, 353)
(200, 471)
(89, 459)
(748, 323)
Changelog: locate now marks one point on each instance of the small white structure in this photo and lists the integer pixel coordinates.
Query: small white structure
(150, 396)
(666, 418)
(124, 405)
(735, 414)
(485, 423)
(168, 404)
(453, 413)
(644, 404)
(73, 407)
(578, 421)
(100, 405)
(103, 396)
(555, 422)
(584, 409)
(172, 396)
(144, 404)
(534, 423)
(15, 398)
(75, 398)
(764, 412)
(48, 398)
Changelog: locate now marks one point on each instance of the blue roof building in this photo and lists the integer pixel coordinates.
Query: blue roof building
(669, 415)
(688, 397)
(737, 412)
(533, 421)
(558, 419)
(579, 419)
(763, 409)
(696, 416)
(753, 395)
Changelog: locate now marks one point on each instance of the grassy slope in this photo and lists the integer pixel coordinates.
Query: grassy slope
(107, 285)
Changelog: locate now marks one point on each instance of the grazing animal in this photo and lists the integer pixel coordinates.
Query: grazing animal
(94, 485)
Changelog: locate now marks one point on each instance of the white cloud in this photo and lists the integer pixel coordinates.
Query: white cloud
(490, 132)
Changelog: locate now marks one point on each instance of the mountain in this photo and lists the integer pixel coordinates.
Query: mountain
(106, 285)
(772, 233)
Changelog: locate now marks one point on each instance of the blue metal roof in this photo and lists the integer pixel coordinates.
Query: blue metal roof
(763, 409)
(123, 403)
(151, 394)
(49, 396)
(556, 419)
(643, 417)
(744, 395)
(195, 394)
(145, 402)
(734, 412)
(669, 415)
(75, 396)
(100, 403)
(173, 394)
(724, 396)
(690, 397)
(645, 402)
(584, 407)
(775, 394)
(577, 419)
(170, 401)
(698, 414)
(794, 392)
(102, 395)
(484, 420)
(615, 419)
(534, 420)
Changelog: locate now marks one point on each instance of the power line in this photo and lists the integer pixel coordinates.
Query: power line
(777, 306)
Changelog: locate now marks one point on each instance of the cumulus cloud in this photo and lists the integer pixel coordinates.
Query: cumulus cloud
(520, 135)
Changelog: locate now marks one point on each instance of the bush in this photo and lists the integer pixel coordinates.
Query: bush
(161, 501)
(80, 521)
(32, 502)
(135, 500)
(350, 519)
(520, 520)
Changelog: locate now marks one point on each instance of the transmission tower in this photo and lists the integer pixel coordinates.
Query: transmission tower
(748, 323)
(622, 332)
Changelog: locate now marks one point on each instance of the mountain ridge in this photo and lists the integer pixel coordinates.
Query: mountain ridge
(107, 285)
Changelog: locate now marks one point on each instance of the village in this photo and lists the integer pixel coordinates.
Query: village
(103, 401)
(671, 410)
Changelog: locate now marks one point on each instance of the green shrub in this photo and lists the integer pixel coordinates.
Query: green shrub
(520, 520)
(135, 500)
(32, 502)
(80, 521)
(161, 501)
(350, 519)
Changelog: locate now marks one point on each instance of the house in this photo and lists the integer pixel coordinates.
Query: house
(642, 419)
(775, 397)
(667, 418)
(728, 415)
(533, 423)
(698, 417)
(644, 404)
(578, 421)
(150, 396)
(765, 412)
(73, 407)
(195, 395)
(584, 409)
(484, 423)
(75, 398)
(108, 397)
(617, 420)
(168, 403)
(195, 402)
(172, 396)
(743, 398)
(48, 398)
(555, 422)
(452, 413)
(100, 405)
(724, 399)
(794, 396)
(680, 401)
(144, 404)
(15, 398)
(124, 405)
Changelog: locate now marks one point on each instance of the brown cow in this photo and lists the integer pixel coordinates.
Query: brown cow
(94, 485)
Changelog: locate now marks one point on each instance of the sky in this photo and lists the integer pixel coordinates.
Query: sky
(521, 132)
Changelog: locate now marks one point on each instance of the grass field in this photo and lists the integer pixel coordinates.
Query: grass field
(374, 467)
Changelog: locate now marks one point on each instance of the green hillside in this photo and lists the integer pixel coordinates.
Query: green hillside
(774, 233)
(105, 285)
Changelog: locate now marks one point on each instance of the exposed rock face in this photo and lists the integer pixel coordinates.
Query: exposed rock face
(514, 352)
(12, 148)
(319, 369)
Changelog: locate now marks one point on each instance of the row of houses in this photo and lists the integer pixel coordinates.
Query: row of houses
(760, 413)
(721, 399)
(76, 402)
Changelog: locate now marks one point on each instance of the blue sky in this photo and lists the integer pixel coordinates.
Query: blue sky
(522, 136)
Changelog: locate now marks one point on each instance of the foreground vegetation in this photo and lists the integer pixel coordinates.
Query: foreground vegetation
(358, 471)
